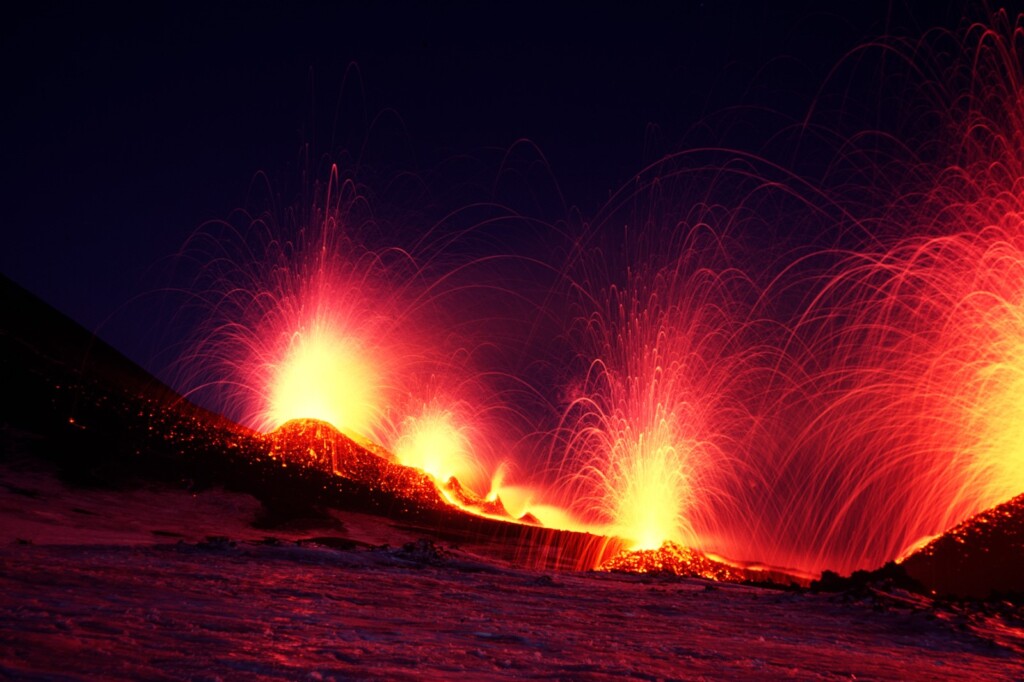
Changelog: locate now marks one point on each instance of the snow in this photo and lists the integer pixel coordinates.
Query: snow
(102, 584)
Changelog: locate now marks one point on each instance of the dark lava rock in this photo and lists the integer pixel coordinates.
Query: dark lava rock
(981, 558)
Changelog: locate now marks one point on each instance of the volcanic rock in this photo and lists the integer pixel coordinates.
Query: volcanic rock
(980, 558)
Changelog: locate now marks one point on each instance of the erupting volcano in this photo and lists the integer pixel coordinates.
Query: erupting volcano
(322, 376)
(830, 407)
(763, 400)
(294, 325)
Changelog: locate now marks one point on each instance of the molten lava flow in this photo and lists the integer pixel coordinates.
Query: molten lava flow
(438, 443)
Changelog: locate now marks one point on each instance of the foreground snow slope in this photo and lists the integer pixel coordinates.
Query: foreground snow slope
(100, 584)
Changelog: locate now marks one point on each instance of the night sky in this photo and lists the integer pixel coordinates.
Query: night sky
(125, 129)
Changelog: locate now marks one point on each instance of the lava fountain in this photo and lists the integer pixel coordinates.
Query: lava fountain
(433, 443)
(302, 327)
(323, 375)
(906, 416)
(651, 441)
(912, 398)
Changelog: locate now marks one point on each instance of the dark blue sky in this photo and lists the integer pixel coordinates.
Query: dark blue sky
(125, 129)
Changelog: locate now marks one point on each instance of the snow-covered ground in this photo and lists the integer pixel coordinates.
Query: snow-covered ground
(100, 584)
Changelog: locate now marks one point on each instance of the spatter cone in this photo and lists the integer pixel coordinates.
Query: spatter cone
(318, 445)
(673, 559)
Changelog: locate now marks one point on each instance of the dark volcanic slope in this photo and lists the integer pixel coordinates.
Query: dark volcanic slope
(40, 348)
(981, 557)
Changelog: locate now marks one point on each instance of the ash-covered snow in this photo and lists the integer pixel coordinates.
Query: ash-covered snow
(100, 584)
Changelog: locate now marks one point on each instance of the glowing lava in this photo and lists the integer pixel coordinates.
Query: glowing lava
(658, 400)
(904, 411)
(671, 558)
(305, 320)
(881, 404)
(645, 453)
(307, 324)
(650, 492)
(327, 377)
(434, 444)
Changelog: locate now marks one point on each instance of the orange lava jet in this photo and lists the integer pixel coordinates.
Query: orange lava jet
(326, 377)
(926, 428)
(301, 328)
(658, 403)
(650, 492)
(433, 443)
(903, 412)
